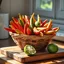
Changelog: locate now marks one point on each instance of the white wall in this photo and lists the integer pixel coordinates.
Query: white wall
(13, 7)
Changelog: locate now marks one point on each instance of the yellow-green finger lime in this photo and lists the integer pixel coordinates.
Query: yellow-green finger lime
(29, 50)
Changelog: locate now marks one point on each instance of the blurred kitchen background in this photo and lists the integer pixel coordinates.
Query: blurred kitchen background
(47, 9)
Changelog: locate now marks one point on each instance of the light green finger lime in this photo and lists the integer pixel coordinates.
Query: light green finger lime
(29, 50)
(52, 48)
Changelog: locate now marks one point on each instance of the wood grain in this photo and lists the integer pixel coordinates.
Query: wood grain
(16, 53)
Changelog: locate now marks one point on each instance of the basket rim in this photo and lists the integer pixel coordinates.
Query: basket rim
(15, 34)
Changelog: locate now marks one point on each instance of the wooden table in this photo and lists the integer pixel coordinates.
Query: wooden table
(4, 60)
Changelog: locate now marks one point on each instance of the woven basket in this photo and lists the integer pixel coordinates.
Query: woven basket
(37, 41)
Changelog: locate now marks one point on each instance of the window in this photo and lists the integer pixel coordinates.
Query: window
(44, 7)
(53, 9)
(60, 9)
(49, 8)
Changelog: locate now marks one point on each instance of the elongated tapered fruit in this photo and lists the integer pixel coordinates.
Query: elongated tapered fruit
(27, 20)
(43, 23)
(21, 22)
(50, 32)
(56, 29)
(49, 26)
(37, 23)
(41, 34)
(25, 28)
(14, 24)
(34, 18)
(9, 29)
(36, 32)
(41, 29)
(15, 19)
(31, 22)
(29, 31)
(18, 25)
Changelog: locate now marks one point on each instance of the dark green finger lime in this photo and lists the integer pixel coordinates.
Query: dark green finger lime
(29, 50)
(52, 48)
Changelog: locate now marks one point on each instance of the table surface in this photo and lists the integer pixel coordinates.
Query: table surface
(4, 60)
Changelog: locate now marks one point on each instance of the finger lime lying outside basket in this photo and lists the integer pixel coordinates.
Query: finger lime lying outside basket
(29, 50)
(52, 48)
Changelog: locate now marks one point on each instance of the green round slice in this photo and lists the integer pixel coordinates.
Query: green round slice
(29, 50)
(52, 48)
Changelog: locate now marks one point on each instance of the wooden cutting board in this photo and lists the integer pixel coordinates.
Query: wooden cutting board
(16, 53)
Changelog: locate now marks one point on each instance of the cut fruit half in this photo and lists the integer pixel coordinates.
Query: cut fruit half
(29, 50)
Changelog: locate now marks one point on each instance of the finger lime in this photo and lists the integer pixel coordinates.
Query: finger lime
(29, 50)
(52, 48)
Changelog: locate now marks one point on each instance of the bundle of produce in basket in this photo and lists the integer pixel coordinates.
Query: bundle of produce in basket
(37, 33)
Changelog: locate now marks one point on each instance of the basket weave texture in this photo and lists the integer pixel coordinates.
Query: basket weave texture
(39, 42)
